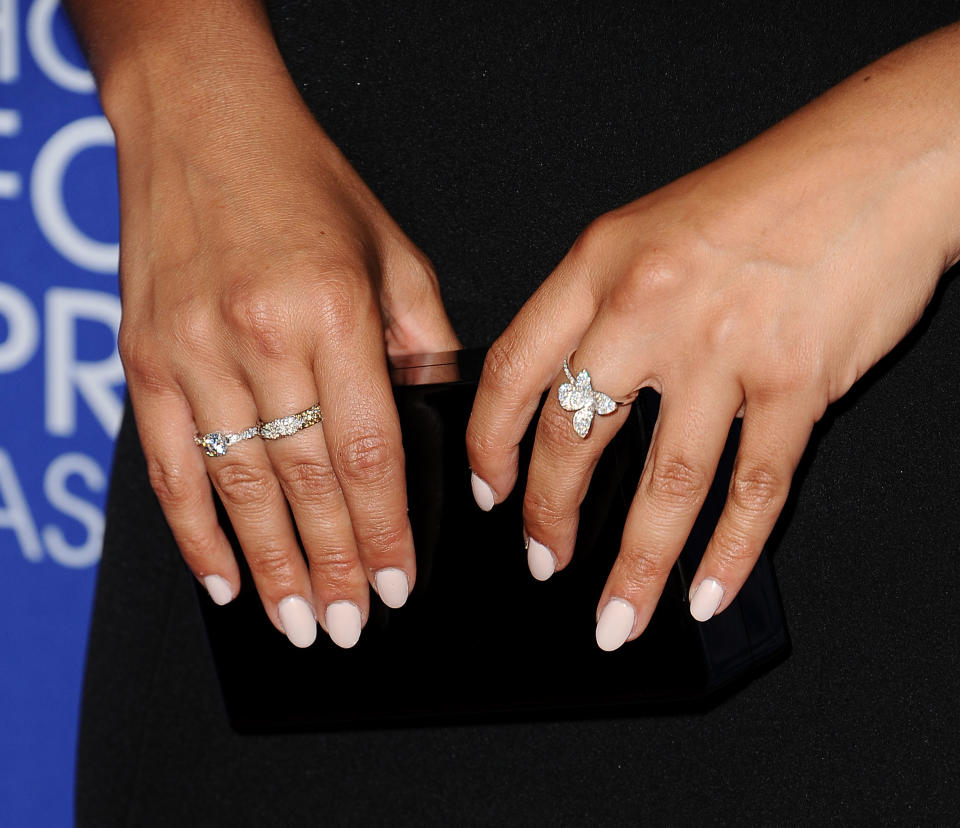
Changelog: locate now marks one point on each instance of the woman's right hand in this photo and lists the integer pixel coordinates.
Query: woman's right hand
(259, 276)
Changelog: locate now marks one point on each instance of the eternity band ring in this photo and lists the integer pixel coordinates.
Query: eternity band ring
(291, 424)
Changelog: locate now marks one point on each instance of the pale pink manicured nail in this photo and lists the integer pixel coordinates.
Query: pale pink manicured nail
(298, 621)
(615, 624)
(706, 599)
(540, 560)
(392, 587)
(482, 493)
(219, 588)
(343, 623)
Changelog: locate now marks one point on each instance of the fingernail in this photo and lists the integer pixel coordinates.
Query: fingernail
(298, 621)
(706, 599)
(343, 623)
(219, 589)
(482, 492)
(615, 624)
(540, 559)
(392, 587)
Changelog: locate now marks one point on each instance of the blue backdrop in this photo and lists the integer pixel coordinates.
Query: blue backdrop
(61, 392)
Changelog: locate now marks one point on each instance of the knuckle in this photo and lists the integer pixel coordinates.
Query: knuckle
(724, 326)
(270, 564)
(197, 548)
(333, 566)
(644, 567)
(503, 363)
(366, 455)
(258, 316)
(732, 551)
(657, 269)
(651, 275)
(554, 429)
(674, 481)
(381, 537)
(169, 481)
(598, 235)
(415, 270)
(542, 512)
(142, 363)
(756, 489)
(243, 486)
(309, 481)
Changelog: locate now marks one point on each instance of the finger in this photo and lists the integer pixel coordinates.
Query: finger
(363, 440)
(771, 444)
(688, 440)
(302, 465)
(179, 480)
(561, 466)
(518, 367)
(251, 494)
(563, 462)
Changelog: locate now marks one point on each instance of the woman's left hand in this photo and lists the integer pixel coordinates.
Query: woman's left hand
(764, 284)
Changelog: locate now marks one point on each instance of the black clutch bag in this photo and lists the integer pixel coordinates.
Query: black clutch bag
(479, 638)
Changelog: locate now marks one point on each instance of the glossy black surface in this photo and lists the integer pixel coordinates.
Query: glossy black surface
(479, 637)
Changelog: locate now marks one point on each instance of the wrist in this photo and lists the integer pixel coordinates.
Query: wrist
(165, 85)
(209, 67)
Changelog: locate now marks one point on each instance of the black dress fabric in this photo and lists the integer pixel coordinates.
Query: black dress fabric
(494, 134)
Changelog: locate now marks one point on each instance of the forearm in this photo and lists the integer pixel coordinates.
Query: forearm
(911, 98)
(179, 59)
(894, 124)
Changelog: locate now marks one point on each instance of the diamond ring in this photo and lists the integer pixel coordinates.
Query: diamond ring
(291, 424)
(216, 443)
(578, 396)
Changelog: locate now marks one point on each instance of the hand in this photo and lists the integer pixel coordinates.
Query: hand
(764, 285)
(260, 276)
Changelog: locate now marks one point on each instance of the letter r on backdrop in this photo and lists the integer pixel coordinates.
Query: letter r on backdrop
(67, 377)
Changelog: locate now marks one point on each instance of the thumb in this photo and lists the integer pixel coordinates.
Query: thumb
(414, 319)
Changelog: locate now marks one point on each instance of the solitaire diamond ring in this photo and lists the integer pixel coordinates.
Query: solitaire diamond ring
(216, 443)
